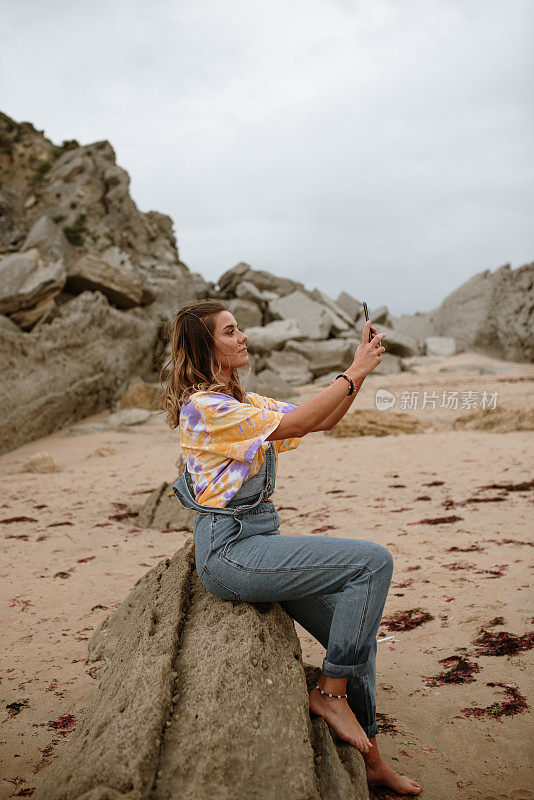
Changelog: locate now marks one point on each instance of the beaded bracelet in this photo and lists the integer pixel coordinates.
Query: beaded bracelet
(342, 375)
(338, 696)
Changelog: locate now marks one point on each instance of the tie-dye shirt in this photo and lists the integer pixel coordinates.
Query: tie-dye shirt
(224, 441)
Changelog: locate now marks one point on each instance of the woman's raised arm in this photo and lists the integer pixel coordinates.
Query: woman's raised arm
(308, 416)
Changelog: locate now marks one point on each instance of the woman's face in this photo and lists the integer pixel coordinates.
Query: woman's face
(230, 343)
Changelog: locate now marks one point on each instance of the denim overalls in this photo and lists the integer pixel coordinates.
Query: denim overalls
(334, 587)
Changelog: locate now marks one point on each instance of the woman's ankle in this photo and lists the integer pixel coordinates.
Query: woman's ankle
(335, 686)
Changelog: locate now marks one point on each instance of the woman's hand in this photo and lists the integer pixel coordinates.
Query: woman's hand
(369, 353)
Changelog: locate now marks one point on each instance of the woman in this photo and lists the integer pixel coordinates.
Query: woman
(334, 587)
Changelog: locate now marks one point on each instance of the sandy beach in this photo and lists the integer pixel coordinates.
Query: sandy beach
(453, 506)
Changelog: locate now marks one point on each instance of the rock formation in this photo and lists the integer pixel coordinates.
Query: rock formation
(86, 282)
(492, 313)
(196, 698)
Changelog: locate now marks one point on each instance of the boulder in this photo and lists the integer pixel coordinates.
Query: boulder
(323, 357)
(247, 291)
(440, 346)
(380, 316)
(26, 318)
(417, 326)
(338, 311)
(390, 365)
(268, 384)
(162, 511)
(314, 320)
(29, 285)
(142, 395)
(394, 342)
(492, 313)
(232, 277)
(272, 336)
(123, 289)
(73, 367)
(49, 240)
(246, 312)
(166, 720)
(265, 281)
(350, 305)
(290, 366)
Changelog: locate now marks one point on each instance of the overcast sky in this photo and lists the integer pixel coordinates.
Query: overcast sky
(382, 147)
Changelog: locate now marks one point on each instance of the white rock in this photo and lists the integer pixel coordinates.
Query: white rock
(272, 336)
(290, 366)
(314, 319)
(246, 312)
(440, 345)
(350, 305)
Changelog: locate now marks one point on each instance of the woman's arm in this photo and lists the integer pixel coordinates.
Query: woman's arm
(310, 415)
(341, 410)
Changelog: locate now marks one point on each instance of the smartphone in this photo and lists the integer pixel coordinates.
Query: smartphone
(366, 312)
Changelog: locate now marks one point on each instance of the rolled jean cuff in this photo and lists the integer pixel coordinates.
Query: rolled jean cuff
(344, 670)
(371, 730)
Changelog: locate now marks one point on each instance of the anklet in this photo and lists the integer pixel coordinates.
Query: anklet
(338, 696)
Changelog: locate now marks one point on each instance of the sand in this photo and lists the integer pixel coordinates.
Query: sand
(58, 583)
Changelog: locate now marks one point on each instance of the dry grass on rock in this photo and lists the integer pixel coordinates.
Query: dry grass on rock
(499, 420)
(367, 422)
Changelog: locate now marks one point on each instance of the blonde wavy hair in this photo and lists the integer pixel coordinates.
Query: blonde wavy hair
(191, 366)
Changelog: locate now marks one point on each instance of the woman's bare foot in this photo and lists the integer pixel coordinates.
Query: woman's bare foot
(379, 772)
(340, 717)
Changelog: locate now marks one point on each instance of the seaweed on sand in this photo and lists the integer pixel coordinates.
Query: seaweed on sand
(458, 670)
(407, 620)
(517, 704)
(502, 643)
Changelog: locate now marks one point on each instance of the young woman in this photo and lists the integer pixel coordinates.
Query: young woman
(334, 587)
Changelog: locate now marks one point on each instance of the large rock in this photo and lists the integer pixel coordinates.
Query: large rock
(272, 336)
(440, 346)
(123, 289)
(337, 310)
(417, 326)
(394, 342)
(323, 357)
(290, 366)
(380, 316)
(247, 291)
(350, 305)
(390, 365)
(492, 313)
(29, 286)
(247, 313)
(229, 280)
(269, 384)
(162, 511)
(314, 320)
(263, 281)
(77, 365)
(49, 239)
(166, 720)
(142, 395)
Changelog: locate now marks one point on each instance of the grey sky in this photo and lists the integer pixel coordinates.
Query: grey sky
(383, 147)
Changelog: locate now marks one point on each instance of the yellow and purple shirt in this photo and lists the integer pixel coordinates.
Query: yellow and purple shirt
(224, 441)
